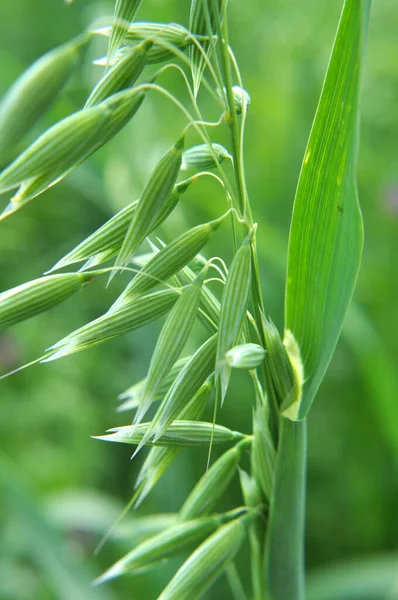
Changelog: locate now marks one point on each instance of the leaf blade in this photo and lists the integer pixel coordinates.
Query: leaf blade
(326, 235)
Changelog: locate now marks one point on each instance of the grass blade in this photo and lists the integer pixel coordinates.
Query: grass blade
(326, 235)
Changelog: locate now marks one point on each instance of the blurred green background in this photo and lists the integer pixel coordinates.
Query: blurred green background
(59, 489)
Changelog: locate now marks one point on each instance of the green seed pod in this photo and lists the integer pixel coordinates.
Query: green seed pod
(65, 145)
(245, 356)
(123, 74)
(250, 491)
(130, 316)
(164, 34)
(187, 383)
(201, 26)
(106, 238)
(29, 299)
(133, 393)
(152, 201)
(233, 309)
(161, 546)
(207, 562)
(159, 459)
(201, 157)
(106, 241)
(179, 434)
(213, 484)
(209, 312)
(33, 93)
(124, 13)
(287, 379)
(263, 456)
(170, 259)
(171, 341)
(241, 99)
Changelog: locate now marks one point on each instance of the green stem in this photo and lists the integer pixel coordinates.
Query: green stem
(235, 583)
(231, 118)
(284, 559)
(256, 564)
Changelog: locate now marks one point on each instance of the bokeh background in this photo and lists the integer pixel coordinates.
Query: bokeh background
(59, 489)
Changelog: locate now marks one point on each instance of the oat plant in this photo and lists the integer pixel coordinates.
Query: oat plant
(178, 281)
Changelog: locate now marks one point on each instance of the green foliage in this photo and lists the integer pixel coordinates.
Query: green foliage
(230, 330)
(326, 235)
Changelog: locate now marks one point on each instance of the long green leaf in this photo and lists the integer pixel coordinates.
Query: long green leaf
(326, 235)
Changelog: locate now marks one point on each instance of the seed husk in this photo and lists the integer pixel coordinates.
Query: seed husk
(179, 434)
(202, 157)
(171, 341)
(130, 316)
(209, 312)
(108, 239)
(122, 75)
(187, 383)
(245, 356)
(263, 452)
(170, 33)
(159, 459)
(207, 562)
(199, 25)
(287, 374)
(241, 99)
(31, 298)
(171, 258)
(161, 546)
(35, 90)
(133, 393)
(64, 146)
(233, 309)
(213, 484)
(151, 202)
(125, 11)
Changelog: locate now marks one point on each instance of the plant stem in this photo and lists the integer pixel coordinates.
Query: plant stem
(284, 559)
(232, 118)
(256, 564)
(235, 583)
